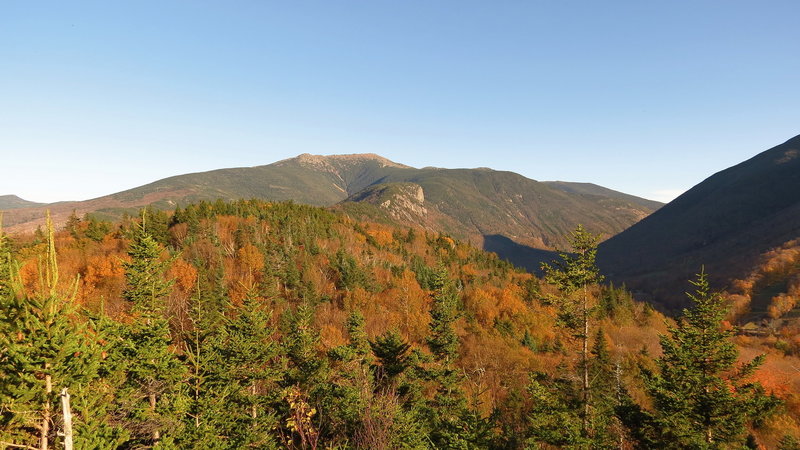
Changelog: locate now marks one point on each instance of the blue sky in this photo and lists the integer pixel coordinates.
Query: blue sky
(644, 97)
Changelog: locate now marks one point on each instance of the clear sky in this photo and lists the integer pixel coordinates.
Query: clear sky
(641, 96)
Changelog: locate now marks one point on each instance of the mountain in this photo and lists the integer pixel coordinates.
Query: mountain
(602, 193)
(468, 203)
(475, 203)
(14, 202)
(724, 223)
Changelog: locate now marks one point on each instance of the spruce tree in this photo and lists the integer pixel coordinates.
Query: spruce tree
(5, 262)
(152, 396)
(146, 286)
(554, 418)
(44, 350)
(443, 340)
(391, 351)
(605, 395)
(452, 424)
(573, 275)
(243, 376)
(701, 397)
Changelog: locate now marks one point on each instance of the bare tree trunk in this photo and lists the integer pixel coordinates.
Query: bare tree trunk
(67, 413)
(156, 433)
(46, 414)
(253, 412)
(585, 361)
(618, 377)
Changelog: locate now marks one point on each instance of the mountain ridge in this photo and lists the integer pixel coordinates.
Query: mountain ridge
(723, 224)
(470, 203)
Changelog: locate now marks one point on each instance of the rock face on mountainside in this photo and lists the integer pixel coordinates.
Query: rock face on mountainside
(723, 223)
(467, 203)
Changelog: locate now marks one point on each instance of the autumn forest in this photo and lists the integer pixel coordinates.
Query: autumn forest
(276, 325)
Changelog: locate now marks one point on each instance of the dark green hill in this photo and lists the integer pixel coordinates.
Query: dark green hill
(724, 223)
(602, 193)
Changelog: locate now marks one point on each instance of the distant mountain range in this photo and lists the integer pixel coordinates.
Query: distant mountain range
(724, 223)
(467, 203)
(14, 202)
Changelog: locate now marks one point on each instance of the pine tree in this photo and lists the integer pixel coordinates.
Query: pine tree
(452, 423)
(306, 380)
(146, 286)
(605, 395)
(573, 276)
(44, 349)
(554, 418)
(701, 398)
(151, 396)
(391, 351)
(443, 340)
(244, 377)
(5, 262)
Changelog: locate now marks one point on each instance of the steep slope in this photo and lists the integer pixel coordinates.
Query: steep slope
(724, 223)
(474, 203)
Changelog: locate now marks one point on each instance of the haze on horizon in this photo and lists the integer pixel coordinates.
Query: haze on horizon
(644, 98)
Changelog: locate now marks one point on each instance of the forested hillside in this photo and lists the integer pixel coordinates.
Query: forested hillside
(274, 325)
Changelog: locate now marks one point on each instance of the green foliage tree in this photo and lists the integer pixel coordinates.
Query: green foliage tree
(244, 373)
(152, 396)
(391, 351)
(146, 286)
(573, 275)
(350, 275)
(151, 399)
(452, 423)
(605, 395)
(443, 340)
(5, 262)
(96, 229)
(45, 349)
(701, 398)
(554, 417)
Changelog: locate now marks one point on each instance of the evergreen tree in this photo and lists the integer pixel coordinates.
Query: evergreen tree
(573, 276)
(605, 395)
(5, 262)
(359, 341)
(244, 377)
(96, 229)
(44, 350)
(391, 351)
(306, 368)
(350, 400)
(554, 418)
(151, 397)
(146, 286)
(701, 398)
(443, 340)
(453, 424)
